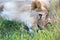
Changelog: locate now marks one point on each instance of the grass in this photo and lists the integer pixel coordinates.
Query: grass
(10, 30)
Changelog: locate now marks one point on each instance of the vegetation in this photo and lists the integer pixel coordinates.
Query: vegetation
(13, 31)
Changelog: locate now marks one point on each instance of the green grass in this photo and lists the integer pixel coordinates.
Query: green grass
(13, 31)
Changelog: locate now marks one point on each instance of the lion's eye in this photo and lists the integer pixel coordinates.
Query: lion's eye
(40, 16)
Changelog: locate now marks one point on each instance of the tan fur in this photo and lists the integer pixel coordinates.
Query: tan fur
(36, 5)
(40, 5)
(45, 20)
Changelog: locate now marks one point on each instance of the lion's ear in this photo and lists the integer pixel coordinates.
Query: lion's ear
(33, 5)
(39, 7)
(36, 5)
(47, 8)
